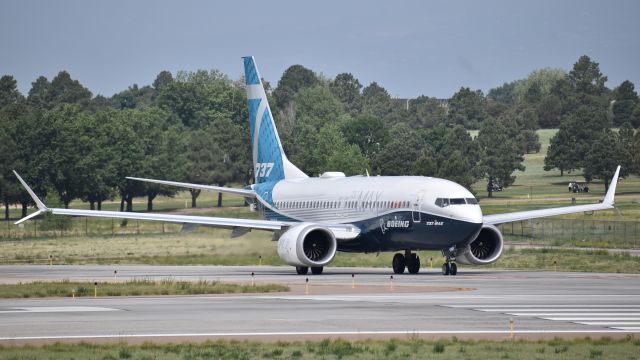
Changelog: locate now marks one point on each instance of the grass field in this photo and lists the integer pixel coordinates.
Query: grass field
(214, 247)
(139, 287)
(341, 349)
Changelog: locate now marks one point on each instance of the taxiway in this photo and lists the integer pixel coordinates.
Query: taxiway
(473, 304)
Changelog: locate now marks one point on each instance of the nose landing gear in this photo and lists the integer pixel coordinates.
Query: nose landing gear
(449, 267)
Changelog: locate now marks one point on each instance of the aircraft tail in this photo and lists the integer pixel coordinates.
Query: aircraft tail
(269, 160)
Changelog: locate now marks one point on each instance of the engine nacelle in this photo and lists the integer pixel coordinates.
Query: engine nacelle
(307, 245)
(485, 249)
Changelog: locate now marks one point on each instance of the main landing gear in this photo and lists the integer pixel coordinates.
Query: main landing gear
(315, 270)
(449, 267)
(409, 260)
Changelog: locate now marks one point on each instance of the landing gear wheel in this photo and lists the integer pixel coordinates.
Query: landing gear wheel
(398, 263)
(302, 270)
(413, 264)
(446, 269)
(316, 270)
(453, 269)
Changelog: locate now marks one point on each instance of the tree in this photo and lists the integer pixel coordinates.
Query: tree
(530, 141)
(586, 78)
(501, 153)
(327, 149)
(163, 80)
(367, 131)
(64, 90)
(506, 93)
(601, 160)
(294, 79)
(634, 151)
(196, 98)
(98, 179)
(38, 96)
(625, 101)
(455, 153)
(427, 112)
(346, 88)
(549, 112)
(376, 101)
(9, 93)
(135, 97)
(69, 148)
(401, 152)
(9, 159)
(317, 106)
(467, 108)
(569, 146)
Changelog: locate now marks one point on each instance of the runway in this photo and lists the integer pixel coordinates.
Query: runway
(473, 304)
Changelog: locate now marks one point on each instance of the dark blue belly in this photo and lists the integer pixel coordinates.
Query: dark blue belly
(398, 231)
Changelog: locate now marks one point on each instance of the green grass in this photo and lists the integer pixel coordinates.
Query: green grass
(130, 288)
(567, 260)
(213, 247)
(340, 349)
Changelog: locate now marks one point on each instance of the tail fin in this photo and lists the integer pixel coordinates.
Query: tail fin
(269, 160)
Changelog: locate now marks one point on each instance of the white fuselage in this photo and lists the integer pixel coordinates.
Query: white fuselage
(339, 199)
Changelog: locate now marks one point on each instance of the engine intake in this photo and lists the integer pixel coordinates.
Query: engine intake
(307, 245)
(485, 249)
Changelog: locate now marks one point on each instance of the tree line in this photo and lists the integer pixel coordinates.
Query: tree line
(193, 127)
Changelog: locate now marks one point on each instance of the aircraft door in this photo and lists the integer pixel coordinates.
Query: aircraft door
(416, 206)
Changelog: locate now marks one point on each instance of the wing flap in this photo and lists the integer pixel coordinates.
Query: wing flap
(185, 219)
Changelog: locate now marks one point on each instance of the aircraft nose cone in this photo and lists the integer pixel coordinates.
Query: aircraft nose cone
(470, 213)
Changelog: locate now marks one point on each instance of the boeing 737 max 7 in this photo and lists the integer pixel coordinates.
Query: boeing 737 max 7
(312, 218)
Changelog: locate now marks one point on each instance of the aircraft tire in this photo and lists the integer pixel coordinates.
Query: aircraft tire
(399, 263)
(302, 270)
(413, 264)
(446, 269)
(317, 270)
(453, 269)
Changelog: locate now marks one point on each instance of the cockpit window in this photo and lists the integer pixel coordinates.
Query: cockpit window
(444, 202)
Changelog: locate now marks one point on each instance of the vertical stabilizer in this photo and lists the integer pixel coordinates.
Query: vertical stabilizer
(269, 160)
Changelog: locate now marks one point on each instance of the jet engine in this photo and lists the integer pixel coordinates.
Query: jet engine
(307, 245)
(485, 249)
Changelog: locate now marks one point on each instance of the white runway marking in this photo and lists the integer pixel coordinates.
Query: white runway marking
(606, 323)
(539, 314)
(619, 317)
(315, 333)
(532, 310)
(488, 307)
(55, 309)
(587, 318)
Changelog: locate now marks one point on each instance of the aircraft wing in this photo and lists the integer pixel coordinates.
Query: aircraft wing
(607, 203)
(243, 192)
(341, 231)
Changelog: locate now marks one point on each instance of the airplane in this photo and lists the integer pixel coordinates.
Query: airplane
(312, 218)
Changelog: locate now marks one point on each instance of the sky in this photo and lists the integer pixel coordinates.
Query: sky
(411, 48)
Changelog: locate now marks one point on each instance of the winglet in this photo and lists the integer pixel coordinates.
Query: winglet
(41, 206)
(609, 197)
